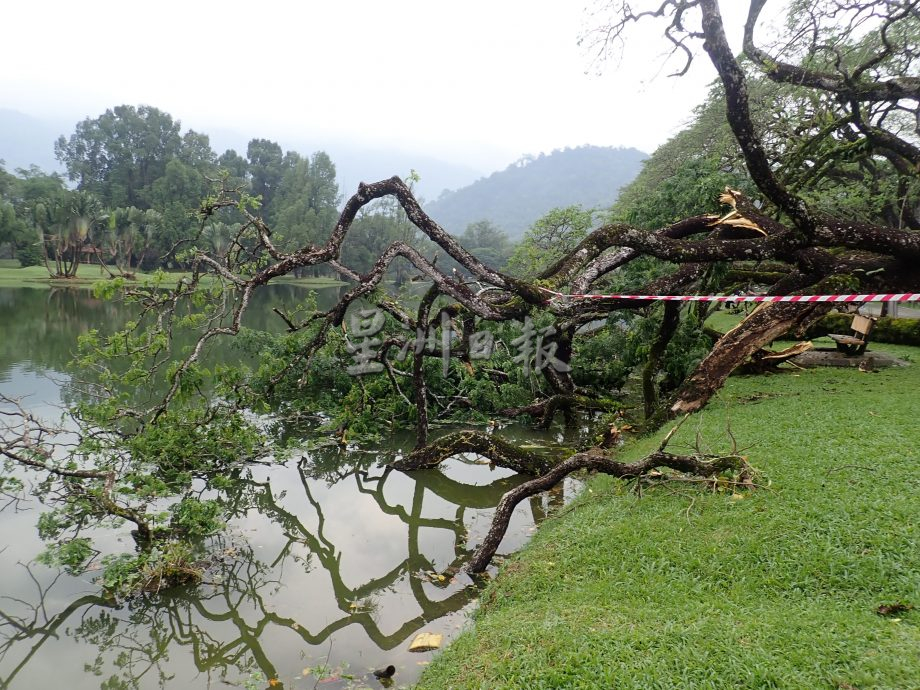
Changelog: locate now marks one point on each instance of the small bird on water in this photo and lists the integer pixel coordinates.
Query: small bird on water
(385, 672)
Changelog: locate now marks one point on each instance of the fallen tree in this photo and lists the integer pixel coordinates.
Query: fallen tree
(780, 235)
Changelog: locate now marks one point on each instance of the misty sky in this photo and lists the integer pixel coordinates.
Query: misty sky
(476, 82)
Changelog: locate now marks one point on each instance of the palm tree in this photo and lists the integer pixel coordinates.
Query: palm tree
(85, 214)
(150, 224)
(65, 223)
(219, 235)
(44, 213)
(124, 233)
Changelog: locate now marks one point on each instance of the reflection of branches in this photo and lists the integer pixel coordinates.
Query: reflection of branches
(327, 555)
(229, 595)
(330, 558)
(37, 626)
(238, 593)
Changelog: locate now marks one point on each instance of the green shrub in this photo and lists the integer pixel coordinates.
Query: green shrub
(28, 255)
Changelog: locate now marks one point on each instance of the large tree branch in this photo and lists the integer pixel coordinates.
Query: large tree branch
(594, 460)
(764, 325)
(587, 254)
(738, 113)
(496, 449)
(311, 255)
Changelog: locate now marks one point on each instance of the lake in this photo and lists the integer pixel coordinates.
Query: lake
(329, 567)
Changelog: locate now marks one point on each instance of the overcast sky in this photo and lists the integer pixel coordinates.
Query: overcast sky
(479, 82)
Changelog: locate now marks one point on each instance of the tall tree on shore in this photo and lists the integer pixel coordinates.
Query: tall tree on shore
(266, 169)
(120, 154)
(304, 202)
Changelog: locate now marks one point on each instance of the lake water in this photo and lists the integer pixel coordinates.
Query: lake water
(328, 569)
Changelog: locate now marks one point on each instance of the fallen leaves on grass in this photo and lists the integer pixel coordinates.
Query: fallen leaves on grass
(893, 609)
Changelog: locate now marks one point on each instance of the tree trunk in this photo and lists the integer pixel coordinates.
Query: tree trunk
(669, 323)
(764, 325)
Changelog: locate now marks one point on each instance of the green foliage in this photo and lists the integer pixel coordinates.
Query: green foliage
(804, 131)
(301, 205)
(144, 464)
(71, 555)
(149, 179)
(686, 349)
(488, 396)
(549, 239)
(605, 357)
(370, 234)
(184, 440)
(602, 358)
(10, 485)
(196, 518)
(12, 227)
(265, 167)
(28, 254)
(487, 242)
(886, 329)
(371, 405)
(168, 564)
(120, 155)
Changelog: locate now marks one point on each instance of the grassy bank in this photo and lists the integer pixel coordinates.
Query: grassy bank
(686, 588)
(87, 274)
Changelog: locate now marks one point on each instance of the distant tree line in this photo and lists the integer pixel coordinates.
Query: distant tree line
(134, 184)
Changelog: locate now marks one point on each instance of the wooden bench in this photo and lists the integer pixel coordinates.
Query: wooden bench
(855, 343)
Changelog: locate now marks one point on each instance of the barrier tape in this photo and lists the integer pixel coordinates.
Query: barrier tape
(903, 297)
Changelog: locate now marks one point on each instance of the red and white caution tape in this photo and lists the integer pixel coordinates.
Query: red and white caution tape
(903, 297)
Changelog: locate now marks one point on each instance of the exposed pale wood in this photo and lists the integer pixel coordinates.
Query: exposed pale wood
(425, 642)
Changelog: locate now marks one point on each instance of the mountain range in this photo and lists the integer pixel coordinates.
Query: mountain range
(515, 197)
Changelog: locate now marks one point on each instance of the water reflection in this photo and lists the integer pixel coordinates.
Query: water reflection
(41, 327)
(318, 568)
(330, 563)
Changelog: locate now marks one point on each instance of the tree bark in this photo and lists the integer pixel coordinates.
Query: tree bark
(496, 449)
(764, 325)
(669, 323)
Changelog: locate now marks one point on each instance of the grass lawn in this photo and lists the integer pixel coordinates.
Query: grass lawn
(37, 276)
(308, 282)
(724, 320)
(686, 588)
(87, 274)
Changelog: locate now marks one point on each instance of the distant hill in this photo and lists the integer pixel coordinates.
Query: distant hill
(26, 140)
(524, 191)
